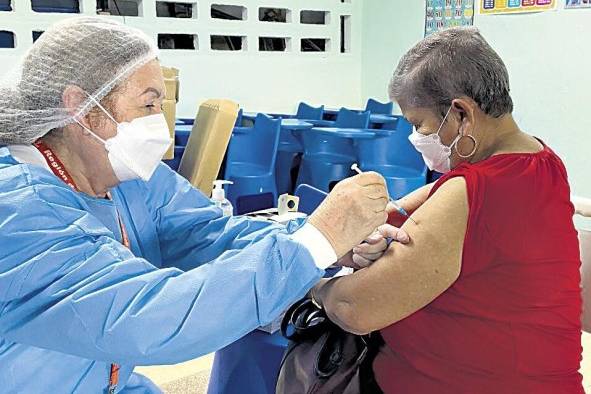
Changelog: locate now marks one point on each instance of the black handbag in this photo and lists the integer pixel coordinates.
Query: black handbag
(321, 358)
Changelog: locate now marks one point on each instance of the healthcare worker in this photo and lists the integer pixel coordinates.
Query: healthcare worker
(108, 259)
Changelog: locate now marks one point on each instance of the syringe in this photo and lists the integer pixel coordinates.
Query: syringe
(398, 208)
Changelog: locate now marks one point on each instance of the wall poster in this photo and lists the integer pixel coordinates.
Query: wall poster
(441, 14)
(516, 6)
(578, 4)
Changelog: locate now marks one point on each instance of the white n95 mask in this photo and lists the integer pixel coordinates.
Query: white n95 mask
(138, 147)
(436, 155)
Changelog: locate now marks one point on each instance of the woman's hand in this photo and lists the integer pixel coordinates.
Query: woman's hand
(365, 254)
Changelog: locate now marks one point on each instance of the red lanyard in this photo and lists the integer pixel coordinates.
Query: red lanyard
(57, 167)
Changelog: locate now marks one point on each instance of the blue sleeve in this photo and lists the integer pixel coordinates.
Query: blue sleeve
(192, 230)
(68, 286)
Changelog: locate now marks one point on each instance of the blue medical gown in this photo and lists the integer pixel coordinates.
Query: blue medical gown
(73, 299)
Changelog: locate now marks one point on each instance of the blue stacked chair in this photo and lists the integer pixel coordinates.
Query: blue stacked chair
(307, 112)
(239, 118)
(175, 162)
(392, 155)
(328, 159)
(250, 163)
(375, 107)
(182, 132)
(185, 121)
(310, 198)
(290, 148)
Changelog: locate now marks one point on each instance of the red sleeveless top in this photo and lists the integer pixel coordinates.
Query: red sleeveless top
(511, 322)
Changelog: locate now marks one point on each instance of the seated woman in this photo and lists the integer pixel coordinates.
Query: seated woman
(485, 297)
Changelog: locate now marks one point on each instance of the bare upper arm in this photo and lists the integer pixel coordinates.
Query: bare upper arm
(407, 277)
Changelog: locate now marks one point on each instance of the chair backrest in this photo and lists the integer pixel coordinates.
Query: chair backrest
(306, 111)
(208, 142)
(398, 123)
(257, 146)
(375, 107)
(347, 118)
(321, 144)
(239, 118)
(182, 134)
(310, 198)
(393, 149)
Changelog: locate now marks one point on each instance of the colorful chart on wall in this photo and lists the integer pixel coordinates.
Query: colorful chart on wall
(578, 4)
(441, 14)
(515, 6)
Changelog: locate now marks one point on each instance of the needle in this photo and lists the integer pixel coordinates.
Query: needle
(398, 208)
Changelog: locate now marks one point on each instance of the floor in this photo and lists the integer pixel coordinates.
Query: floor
(192, 377)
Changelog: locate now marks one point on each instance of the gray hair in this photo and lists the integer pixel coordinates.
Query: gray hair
(452, 63)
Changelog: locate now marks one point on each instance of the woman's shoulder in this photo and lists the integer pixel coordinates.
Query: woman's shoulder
(22, 180)
(513, 166)
(31, 194)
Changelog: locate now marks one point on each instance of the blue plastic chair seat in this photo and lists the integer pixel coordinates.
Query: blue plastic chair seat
(290, 146)
(288, 142)
(249, 170)
(186, 121)
(310, 198)
(182, 134)
(176, 161)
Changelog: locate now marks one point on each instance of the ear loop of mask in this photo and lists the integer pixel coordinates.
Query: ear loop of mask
(443, 121)
(103, 109)
(455, 141)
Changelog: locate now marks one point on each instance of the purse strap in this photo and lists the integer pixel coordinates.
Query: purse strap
(304, 320)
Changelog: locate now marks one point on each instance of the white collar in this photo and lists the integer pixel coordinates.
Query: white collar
(28, 154)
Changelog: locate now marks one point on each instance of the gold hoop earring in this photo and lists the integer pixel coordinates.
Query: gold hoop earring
(473, 150)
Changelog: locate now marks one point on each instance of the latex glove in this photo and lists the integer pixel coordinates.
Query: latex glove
(375, 246)
(352, 211)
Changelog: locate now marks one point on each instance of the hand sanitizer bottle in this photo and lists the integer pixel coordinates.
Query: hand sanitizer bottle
(218, 196)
